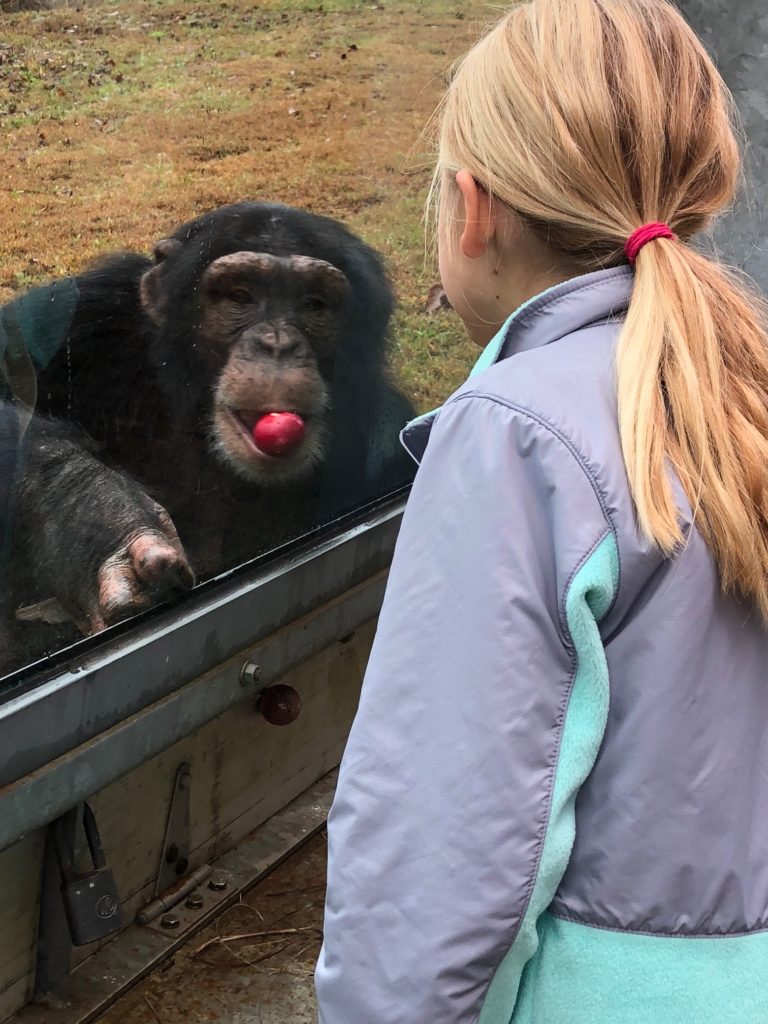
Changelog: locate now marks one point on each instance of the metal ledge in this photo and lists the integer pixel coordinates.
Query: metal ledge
(156, 658)
(47, 793)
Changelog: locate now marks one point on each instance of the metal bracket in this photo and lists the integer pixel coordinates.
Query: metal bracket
(54, 942)
(174, 858)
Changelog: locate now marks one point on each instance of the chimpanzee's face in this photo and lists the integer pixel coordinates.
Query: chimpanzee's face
(268, 330)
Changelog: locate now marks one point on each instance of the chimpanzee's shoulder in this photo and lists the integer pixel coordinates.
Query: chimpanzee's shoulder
(115, 270)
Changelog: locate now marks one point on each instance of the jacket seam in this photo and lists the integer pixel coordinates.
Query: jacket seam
(583, 465)
(543, 828)
(652, 933)
(609, 529)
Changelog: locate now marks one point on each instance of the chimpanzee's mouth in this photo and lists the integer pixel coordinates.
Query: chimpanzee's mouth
(245, 420)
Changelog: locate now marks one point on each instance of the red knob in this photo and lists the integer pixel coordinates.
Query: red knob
(279, 705)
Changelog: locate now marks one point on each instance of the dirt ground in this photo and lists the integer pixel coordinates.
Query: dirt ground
(122, 119)
(254, 965)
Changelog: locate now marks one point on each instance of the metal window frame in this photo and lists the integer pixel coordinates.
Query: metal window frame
(131, 698)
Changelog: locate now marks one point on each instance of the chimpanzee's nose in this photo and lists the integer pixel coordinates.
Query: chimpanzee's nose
(279, 344)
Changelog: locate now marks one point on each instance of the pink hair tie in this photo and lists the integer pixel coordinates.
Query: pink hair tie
(642, 235)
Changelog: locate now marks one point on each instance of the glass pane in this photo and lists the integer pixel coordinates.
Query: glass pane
(238, 374)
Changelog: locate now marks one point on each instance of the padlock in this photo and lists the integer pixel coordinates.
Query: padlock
(90, 900)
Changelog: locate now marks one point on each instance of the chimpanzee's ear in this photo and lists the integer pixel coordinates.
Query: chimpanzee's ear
(166, 247)
(151, 289)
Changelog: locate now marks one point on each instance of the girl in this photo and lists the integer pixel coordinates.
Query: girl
(552, 808)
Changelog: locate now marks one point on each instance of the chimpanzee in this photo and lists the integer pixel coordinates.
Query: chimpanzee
(200, 407)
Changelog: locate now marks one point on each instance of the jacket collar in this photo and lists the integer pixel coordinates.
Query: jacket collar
(553, 314)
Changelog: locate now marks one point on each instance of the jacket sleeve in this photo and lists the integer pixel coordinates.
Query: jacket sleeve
(451, 829)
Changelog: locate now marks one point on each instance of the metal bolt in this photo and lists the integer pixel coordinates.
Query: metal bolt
(195, 901)
(170, 921)
(250, 674)
(218, 884)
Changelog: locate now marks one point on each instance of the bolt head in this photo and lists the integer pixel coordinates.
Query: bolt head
(249, 674)
(217, 884)
(195, 901)
(170, 921)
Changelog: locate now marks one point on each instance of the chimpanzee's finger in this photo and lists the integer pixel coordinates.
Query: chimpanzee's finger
(120, 594)
(167, 526)
(93, 624)
(156, 561)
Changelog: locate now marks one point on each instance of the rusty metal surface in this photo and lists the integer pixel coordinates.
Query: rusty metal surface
(253, 965)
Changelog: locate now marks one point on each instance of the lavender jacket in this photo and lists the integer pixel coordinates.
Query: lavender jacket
(553, 807)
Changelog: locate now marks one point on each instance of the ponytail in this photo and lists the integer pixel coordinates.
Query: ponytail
(692, 368)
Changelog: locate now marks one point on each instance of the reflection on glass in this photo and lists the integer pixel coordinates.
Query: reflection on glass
(192, 411)
(184, 411)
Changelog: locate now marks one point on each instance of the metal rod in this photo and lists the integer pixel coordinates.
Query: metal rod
(159, 906)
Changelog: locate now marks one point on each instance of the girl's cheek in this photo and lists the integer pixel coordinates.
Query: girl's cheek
(456, 282)
(450, 278)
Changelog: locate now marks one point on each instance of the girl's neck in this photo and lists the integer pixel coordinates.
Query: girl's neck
(516, 267)
(508, 288)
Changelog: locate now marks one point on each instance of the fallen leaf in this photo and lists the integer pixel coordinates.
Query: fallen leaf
(437, 300)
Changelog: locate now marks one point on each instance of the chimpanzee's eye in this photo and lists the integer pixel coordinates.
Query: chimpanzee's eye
(314, 304)
(241, 296)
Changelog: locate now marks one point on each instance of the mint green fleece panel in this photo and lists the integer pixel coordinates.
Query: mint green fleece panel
(583, 974)
(590, 596)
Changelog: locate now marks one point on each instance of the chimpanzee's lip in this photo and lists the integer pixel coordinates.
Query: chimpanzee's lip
(245, 420)
(249, 419)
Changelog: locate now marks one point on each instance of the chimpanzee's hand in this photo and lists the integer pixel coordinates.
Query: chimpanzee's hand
(147, 564)
(96, 543)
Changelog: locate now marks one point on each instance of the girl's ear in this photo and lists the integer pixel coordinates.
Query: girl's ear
(479, 217)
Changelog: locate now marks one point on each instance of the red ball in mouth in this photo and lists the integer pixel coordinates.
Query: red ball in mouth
(279, 433)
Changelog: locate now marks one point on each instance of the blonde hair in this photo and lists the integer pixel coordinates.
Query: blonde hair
(589, 118)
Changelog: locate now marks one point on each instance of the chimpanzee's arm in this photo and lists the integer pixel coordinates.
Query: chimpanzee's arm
(89, 536)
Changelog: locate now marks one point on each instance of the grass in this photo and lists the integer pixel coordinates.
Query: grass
(123, 118)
